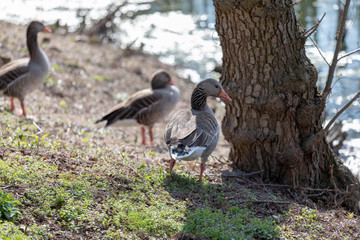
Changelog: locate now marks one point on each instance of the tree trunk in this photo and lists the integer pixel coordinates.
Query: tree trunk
(276, 106)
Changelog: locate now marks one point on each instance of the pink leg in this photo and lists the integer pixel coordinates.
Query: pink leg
(23, 109)
(12, 103)
(202, 168)
(172, 163)
(151, 136)
(143, 136)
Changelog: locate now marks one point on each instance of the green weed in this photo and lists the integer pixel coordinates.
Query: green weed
(100, 78)
(147, 208)
(63, 104)
(236, 223)
(9, 231)
(49, 81)
(306, 220)
(8, 207)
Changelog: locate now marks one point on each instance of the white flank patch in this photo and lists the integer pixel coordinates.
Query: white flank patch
(125, 123)
(194, 153)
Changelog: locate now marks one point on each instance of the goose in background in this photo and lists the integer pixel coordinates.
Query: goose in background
(22, 76)
(194, 133)
(145, 107)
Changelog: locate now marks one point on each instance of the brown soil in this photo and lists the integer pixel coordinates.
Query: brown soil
(75, 96)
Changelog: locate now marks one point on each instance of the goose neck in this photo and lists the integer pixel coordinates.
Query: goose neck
(198, 99)
(32, 44)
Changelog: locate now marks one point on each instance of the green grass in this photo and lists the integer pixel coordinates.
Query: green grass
(80, 188)
(100, 78)
(306, 219)
(235, 223)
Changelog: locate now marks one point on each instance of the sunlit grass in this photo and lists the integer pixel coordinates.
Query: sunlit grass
(235, 223)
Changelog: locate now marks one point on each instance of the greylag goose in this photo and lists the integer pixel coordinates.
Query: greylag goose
(194, 133)
(22, 76)
(145, 107)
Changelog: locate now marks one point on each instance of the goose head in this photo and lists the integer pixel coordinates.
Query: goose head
(213, 88)
(161, 79)
(35, 27)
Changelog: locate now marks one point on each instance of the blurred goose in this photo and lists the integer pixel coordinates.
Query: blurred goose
(22, 76)
(145, 107)
(194, 133)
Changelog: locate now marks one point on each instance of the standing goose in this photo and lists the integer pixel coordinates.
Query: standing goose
(194, 133)
(22, 76)
(145, 107)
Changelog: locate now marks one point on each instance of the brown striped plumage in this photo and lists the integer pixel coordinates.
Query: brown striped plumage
(194, 133)
(145, 107)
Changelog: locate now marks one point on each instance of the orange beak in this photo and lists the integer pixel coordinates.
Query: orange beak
(171, 82)
(46, 29)
(223, 96)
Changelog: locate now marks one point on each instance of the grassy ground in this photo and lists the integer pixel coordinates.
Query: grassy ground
(63, 177)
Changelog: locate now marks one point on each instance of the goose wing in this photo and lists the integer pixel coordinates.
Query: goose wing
(136, 107)
(192, 129)
(12, 71)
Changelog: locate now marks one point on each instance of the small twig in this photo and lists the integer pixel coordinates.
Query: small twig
(252, 173)
(271, 185)
(236, 174)
(293, 195)
(348, 54)
(261, 201)
(314, 195)
(132, 169)
(37, 126)
(309, 32)
(8, 186)
(295, 3)
(101, 25)
(340, 35)
(267, 201)
(218, 159)
(357, 95)
(320, 189)
(128, 46)
(319, 51)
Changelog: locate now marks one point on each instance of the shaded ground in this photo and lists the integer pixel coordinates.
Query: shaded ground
(85, 81)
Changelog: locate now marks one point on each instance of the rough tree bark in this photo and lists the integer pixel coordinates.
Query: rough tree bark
(276, 106)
